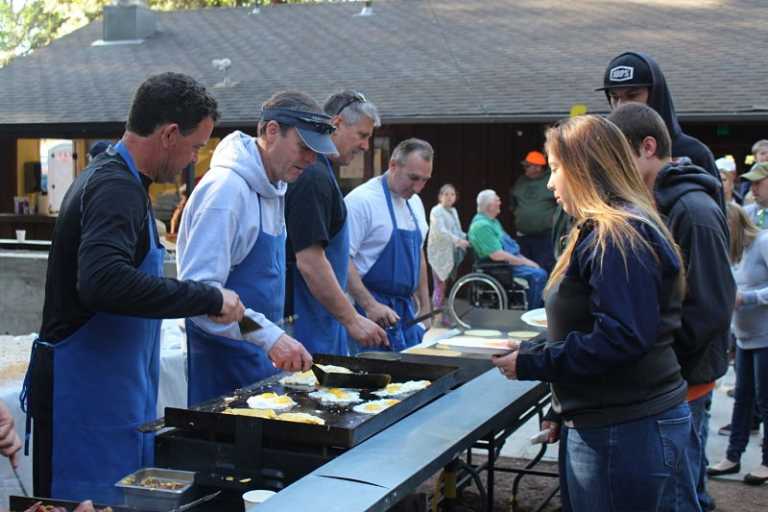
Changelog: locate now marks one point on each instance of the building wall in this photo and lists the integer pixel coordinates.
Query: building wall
(478, 156)
(472, 157)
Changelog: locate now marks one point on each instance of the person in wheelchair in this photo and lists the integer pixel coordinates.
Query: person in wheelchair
(491, 243)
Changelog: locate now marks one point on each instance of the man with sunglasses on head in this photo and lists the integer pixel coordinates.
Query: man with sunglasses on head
(387, 229)
(318, 238)
(233, 234)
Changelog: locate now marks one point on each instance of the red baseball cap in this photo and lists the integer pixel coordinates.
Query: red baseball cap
(535, 158)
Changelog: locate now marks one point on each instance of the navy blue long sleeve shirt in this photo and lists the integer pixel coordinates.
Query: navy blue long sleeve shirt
(625, 304)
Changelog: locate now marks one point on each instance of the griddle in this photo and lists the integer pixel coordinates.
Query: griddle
(344, 428)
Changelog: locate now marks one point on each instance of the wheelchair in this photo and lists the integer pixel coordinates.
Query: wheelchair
(490, 285)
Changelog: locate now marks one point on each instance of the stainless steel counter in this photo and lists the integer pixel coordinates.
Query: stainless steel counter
(378, 473)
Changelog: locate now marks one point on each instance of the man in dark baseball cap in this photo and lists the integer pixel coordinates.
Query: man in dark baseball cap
(636, 77)
(628, 70)
(701, 343)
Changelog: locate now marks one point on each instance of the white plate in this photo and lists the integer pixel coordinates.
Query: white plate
(493, 333)
(523, 335)
(536, 318)
(474, 345)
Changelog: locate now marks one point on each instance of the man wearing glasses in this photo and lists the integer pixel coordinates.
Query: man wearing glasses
(318, 238)
(233, 234)
(387, 229)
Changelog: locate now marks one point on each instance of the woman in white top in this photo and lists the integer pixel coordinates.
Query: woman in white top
(446, 244)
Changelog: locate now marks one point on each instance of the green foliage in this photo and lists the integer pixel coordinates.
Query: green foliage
(38, 22)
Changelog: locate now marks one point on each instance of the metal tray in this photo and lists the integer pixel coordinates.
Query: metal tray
(157, 499)
(343, 428)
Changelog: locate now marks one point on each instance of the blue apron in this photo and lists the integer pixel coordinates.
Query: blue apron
(394, 278)
(216, 365)
(105, 381)
(315, 327)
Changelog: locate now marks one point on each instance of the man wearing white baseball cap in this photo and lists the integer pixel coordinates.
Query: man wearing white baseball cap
(727, 167)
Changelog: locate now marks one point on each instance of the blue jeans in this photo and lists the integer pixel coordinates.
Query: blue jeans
(700, 416)
(537, 280)
(751, 389)
(641, 465)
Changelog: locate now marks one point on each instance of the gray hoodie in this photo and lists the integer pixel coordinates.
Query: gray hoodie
(221, 223)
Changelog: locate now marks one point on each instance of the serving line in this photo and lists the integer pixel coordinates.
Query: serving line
(378, 473)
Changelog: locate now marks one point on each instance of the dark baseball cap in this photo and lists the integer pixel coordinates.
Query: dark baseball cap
(314, 128)
(627, 70)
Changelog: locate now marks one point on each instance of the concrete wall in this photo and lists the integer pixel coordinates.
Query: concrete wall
(22, 281)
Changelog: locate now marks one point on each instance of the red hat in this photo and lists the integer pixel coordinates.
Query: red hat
(535, 158)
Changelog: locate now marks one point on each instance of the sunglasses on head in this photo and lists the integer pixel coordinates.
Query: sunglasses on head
(317, 122)
(356, 97)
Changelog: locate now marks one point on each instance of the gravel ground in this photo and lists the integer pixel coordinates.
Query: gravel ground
(729, 496)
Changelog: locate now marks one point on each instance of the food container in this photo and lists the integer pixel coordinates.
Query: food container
(157, 489)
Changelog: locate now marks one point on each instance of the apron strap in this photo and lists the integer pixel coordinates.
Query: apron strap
(24, 396)
(388, 197)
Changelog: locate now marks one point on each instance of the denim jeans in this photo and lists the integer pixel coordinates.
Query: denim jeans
(700, 416)
(641, 465)
(751, 389)
(537, 280)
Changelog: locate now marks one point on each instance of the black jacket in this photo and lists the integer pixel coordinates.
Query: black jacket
(683, 145)
(686, 195)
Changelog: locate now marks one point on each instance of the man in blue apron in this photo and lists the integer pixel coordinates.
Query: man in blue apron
(94, 370)
(233, 235)
(318, 238)
(387, 227)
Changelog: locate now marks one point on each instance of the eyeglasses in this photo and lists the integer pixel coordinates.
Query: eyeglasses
(356, 97)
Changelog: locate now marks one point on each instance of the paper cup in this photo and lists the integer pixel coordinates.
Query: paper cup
(253, 498)
(21, 235)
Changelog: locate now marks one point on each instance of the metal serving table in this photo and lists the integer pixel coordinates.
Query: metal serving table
(378, 473)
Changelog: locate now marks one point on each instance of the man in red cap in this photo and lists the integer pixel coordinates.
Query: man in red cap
(533, 207)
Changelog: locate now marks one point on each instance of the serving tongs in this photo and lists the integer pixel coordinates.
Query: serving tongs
(351, 380)
(413, 321)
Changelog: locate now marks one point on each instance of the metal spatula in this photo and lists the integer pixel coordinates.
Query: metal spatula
(351, 380)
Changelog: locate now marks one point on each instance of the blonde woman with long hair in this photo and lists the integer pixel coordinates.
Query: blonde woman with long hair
(613, 302)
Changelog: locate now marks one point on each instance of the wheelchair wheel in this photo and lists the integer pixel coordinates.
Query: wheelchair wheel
(475, 290)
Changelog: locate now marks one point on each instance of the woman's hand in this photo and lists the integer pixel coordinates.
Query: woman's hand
(554, 430)
(507, 364)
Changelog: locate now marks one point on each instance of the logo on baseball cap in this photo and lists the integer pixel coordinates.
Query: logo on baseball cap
(627, 70)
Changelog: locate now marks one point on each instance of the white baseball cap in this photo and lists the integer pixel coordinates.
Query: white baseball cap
(725, 164)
